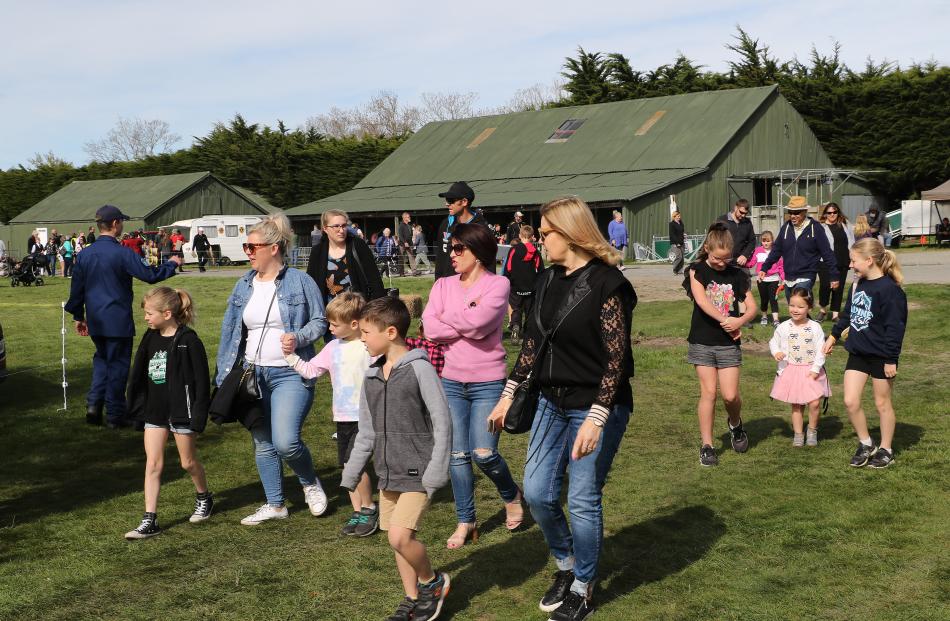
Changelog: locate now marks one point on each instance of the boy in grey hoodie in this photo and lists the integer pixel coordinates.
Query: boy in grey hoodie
(405, 426)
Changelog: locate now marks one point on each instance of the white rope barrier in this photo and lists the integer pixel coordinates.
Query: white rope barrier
(62, 332)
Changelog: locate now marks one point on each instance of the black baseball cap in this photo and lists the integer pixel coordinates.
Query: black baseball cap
(109, 213)
(459, 190)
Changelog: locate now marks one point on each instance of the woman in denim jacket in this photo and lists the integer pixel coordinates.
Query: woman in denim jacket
(275, 310)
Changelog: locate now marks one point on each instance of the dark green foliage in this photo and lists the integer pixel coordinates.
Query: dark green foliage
(882, 117)
(288, 167)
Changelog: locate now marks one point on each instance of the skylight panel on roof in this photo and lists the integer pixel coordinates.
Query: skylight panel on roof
(565, 131)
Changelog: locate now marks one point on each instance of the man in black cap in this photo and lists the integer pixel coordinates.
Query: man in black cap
(100, 301)
(458, 199)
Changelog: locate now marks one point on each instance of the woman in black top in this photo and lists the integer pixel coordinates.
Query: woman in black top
(677, 241)
(841, 237)
(341, 261)
(586, 398)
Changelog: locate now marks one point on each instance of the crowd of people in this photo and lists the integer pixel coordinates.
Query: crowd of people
(424, 409)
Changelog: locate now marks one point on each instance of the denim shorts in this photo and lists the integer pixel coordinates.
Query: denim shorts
(179, 430)
(718, 356)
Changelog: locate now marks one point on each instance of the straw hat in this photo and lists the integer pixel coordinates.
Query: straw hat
(797, 203)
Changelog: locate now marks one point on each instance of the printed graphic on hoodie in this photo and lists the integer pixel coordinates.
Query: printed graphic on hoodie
(157, 366)
(861, 314)
(721, 296)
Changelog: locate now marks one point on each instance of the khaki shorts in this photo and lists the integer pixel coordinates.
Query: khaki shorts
(403, 509)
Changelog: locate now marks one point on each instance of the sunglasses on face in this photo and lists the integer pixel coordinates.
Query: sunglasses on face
(458, 249)
(251, 249)
(542, 233)
(450, 201)
(831, 213)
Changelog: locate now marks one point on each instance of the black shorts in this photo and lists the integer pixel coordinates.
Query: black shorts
(345, 437)
(870, 365)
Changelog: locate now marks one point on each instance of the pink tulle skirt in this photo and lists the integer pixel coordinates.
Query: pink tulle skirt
(795, 386)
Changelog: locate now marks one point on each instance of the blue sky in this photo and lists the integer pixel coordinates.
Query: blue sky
(71, 69)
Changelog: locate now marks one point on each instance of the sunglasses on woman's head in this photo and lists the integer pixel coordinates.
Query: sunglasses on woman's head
(251, 249)
(457, 249)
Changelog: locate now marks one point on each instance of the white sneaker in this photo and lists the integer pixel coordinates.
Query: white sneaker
(316, 498)
(264, 513)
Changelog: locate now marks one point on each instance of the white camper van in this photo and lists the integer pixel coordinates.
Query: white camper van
(226, 234)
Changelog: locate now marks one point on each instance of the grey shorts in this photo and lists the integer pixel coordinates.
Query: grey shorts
(179, 430)
(718, 356)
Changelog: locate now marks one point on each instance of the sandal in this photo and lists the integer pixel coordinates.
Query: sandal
(464, 532)
(514, 513)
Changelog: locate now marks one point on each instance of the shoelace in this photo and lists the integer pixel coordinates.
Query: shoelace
(145, 526)
(201, 505)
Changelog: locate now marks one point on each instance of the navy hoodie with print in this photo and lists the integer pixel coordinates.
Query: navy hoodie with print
(876, 315)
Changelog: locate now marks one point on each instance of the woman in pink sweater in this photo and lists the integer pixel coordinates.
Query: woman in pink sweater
(466, 313)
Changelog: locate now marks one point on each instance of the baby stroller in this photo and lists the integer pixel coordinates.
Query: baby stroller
(27, 272)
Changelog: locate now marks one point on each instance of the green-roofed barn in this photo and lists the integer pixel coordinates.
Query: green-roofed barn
(629, 155)
(150, 202)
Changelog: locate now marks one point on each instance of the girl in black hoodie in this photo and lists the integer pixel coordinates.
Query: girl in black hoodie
(169, 390)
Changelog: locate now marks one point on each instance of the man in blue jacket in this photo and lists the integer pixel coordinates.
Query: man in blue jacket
(802, 243)
(100, 301)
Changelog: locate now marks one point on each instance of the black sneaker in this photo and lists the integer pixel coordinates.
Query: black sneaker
(574, 608)
(882, 458)
(148, 528)
(431, 596)
(404, 610)
(558, 591)
(740, 439)
(707, 456)
(367, 522)
(351, 523)
(862, 455)
(204, 503)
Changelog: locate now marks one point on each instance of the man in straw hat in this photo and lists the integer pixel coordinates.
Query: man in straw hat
(802, 243)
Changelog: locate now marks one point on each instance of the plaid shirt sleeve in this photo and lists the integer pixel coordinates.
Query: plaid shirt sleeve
(435, 351)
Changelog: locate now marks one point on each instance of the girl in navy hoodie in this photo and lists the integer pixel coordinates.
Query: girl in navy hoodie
(874, 318)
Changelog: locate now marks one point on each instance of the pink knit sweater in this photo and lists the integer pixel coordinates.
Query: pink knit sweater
(469, 323)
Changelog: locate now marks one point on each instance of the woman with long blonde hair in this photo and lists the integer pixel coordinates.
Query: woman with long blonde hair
(577, 349)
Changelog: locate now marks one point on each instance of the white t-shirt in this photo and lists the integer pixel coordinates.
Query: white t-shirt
(254, 314)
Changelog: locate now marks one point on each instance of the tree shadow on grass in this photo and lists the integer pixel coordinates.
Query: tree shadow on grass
(637, 554)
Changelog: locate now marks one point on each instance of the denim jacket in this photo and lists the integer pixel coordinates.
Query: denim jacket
(301, 310)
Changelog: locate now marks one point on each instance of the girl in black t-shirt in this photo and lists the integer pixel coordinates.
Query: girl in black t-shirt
(169, 389)
(717, 289)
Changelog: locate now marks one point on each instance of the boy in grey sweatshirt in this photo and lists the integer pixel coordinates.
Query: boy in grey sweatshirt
(405, 426)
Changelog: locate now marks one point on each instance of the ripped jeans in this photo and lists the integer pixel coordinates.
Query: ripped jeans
(470, 405)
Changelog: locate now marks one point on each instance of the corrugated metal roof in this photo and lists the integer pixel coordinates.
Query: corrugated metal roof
(616, 154)
(137, 197)
(256, 198)
(502, 192)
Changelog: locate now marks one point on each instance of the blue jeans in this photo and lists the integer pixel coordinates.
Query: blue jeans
(549, 454)
(286, 403)
(110, 373)
(470, 405)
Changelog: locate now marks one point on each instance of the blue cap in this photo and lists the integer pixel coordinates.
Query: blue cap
(109, 213)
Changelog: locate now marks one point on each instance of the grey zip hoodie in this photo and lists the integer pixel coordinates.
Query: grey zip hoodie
(405, 426)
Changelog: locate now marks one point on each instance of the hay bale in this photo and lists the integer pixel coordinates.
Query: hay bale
(413, 303)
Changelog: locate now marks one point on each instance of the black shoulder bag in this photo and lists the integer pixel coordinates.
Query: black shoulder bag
(241, 385)
(524, 401)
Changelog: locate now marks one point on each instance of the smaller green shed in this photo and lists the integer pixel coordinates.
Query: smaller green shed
(150, 202)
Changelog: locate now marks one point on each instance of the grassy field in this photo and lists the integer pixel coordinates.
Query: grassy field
(775, 533)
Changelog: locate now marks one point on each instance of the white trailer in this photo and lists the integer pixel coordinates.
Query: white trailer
(918, 218)
(226, 234)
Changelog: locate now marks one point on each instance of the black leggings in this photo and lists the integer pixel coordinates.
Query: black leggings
(825, 292)
(768, 292)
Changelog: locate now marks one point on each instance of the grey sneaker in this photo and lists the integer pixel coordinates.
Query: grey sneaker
(707, 456)
(862, 455)
(882, 458)
(799, 440)
(350, 526)
(367, 522)
(740, 439)
(431, 596)
(765, 321)
(811, 437)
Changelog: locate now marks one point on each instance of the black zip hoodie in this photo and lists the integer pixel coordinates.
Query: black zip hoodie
(189, 384)
(443, 259)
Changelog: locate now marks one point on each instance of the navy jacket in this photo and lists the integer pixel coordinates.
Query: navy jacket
(876, 317)
(802, 255)
(101, 292)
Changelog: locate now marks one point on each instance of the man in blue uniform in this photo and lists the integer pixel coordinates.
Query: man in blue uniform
(100, 302)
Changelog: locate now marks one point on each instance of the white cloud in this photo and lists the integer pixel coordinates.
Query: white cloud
(72, 68)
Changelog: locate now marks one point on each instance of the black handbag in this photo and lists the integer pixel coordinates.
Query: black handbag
(243, 378)
(524, 401)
